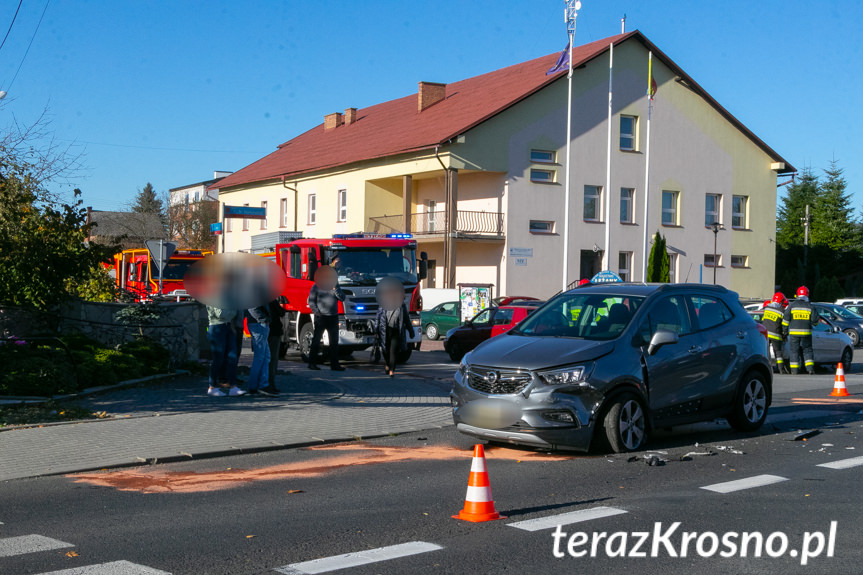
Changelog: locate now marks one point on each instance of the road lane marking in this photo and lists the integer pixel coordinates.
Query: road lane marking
(12, 546)
(112, 568)
(566, 518)
(336, 562)
(748, 483)
(843, 463)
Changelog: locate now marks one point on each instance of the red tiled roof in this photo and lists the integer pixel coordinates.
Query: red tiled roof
(396, 126)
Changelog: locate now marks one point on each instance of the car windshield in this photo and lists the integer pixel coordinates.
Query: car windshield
(591, 316)
(174, 269)
(368, 266)
(844, 312)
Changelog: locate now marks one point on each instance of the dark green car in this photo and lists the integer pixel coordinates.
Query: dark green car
(441, 318)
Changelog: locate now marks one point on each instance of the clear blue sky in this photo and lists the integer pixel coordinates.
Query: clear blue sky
(167, 92)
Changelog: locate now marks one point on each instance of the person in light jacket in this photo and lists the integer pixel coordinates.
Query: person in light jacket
(393, 322)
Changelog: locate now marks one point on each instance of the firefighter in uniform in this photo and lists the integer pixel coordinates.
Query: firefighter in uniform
(772, 320)
(797, 324)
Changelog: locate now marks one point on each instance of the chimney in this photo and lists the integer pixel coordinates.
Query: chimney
(350, 116)
(430, 93)
(333, 120)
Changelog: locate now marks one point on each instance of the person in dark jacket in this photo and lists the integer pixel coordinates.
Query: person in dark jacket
(797, 323)
(324, 298)
(392, 321)
(277, 312)
(258, 323)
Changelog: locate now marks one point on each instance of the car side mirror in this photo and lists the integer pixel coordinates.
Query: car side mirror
(661, 338)
(836, 329)
(283, 299)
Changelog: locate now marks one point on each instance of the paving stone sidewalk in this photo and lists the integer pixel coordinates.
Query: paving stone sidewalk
(174, 419)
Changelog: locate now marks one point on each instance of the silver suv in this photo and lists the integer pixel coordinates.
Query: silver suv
(609, 362)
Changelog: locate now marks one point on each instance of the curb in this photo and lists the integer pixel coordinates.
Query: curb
(34, 400)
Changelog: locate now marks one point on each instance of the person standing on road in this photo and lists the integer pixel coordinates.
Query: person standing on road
(392, 321)
(258, 322)
(324, 298)
(277, 312)
(772, 320)
(797, 323)
(223, 347)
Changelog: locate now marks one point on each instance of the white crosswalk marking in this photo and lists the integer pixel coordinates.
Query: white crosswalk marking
(566, 518)
(336, 562)
(11, 546)
(747, 483)
(112, 568)
(843, 463)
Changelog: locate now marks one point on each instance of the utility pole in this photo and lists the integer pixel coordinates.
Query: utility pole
(806, 223)
(570, 14)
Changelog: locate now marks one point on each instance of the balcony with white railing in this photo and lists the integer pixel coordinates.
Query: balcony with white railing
(468, 224)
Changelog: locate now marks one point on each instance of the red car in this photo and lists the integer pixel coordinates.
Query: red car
(462, 339)
(511, 315)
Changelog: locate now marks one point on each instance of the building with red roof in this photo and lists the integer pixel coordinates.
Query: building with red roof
(474, 169)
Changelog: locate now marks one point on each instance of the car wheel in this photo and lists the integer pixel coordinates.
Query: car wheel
(855, 337)
(626, 424)
(750, 404)
(307, 332)
(847, 358)
(455, 351)
(432, 332)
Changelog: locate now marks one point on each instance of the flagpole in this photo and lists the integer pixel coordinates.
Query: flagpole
(572, 7)
(647, 166)
(607, 195)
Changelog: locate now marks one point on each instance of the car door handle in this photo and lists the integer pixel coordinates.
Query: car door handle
(695, 349)
(740, 334)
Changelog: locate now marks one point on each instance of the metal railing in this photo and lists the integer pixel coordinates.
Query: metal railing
(430, 223)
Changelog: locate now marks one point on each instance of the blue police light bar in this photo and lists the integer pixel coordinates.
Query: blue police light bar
(361, 308)
(400, 236)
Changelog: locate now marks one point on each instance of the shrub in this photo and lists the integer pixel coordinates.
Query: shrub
(39, 370)
(152, 355)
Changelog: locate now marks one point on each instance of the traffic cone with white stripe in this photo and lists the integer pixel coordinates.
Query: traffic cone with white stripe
(478, 503)
(839, 389)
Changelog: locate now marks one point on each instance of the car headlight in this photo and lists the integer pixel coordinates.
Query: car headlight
(464, 363)
(576, 374)
(416, 322)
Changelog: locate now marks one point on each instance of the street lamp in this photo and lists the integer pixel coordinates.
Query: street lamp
(715, 227)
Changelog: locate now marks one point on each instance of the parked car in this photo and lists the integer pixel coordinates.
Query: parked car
(854, 304)
(514, 313)
(607, 363)
(850, 322)
(829, 344)
(476, 330)
(508, 300)
(440, 318)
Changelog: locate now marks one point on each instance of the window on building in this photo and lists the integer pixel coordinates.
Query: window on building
(672, 267)
(542, 176)
(542, 156)
(624, 266)
(313, 209)
(712, 207)
(627, 205)
(283, 213)
(670, 207)
(246, 221)
(197, 196)
(431, 224)
(713, 260)
(187, 199)
(541, 227)
(738, 212)
(343, 205)
(739, 261)
(264, 221)
(592, 203)
(628, 135)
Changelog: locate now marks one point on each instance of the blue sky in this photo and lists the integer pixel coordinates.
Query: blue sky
(168, 92)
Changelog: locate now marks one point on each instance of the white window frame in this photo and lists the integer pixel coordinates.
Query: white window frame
(549, 227)
(264, 221)
(631, 217)
(312, 207)
(717, 213)
(674, 211)
(548, 176)
(716, 264)
(743, 216)
(431, 216)
(743, 265)
(633, 136)
(624, 269)
(197, 197)
(543, 156)
(597, 198)
(342, 215)
(673, 259)
(245, 220)
(283, 212)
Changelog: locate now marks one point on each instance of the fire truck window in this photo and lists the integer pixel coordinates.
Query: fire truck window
(133, 272)
(296, 265)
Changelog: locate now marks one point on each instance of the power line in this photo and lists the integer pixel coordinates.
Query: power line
(33, 37)
(11, 24)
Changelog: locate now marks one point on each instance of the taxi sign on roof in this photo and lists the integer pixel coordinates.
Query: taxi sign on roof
(606, 277)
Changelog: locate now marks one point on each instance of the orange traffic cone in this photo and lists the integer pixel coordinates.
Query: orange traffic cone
(839, 389)
(478, 504)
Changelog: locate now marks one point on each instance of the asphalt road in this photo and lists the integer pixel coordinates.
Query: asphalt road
(395, 496)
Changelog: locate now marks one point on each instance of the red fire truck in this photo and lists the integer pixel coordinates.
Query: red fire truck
(361, 261)
(133, 273)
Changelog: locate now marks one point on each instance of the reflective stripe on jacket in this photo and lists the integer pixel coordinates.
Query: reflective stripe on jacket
(799, 318)
(772, 320)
